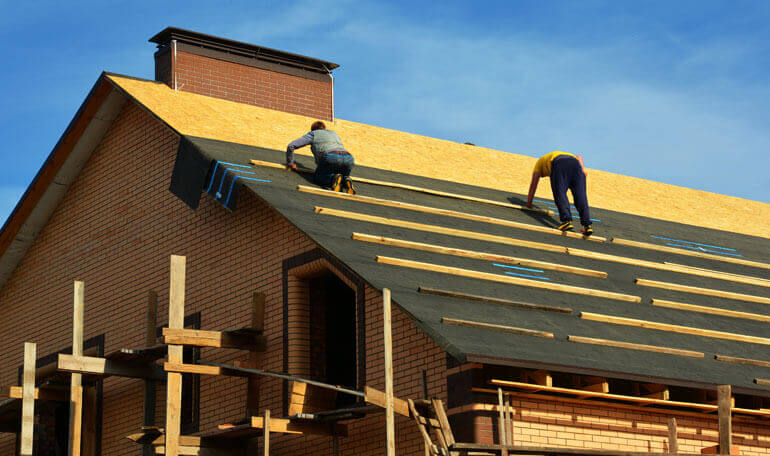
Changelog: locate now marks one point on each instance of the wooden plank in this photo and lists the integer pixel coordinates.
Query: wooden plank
(182, 368)
(496, 327)
(26, 437)
(508, 421)
(382, 240)
(390, 429)
(749, 361)
(663, 248)
(446, 212)
(285, 426)
(725, 419)
(76, 382)
(266, 434)
(104, 367)
(503, 302)
(501, 418)
(673, 442)
(674, 328)
(376, 397)
(710, 310)
(581, 393)
(446, 429)
(739, 278)
(217, 339)
(440, 230)
(762, 381)
(702, 291)
(506, 279)
(633, 346)
(174, 379)
(41, 394)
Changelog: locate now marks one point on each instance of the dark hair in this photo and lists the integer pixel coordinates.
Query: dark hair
(317, 125)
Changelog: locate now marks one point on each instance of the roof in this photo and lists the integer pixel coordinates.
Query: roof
(543, 328)
(449, 261)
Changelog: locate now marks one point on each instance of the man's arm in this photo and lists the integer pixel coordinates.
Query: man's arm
(580, 159)
(296, 144)
(533, 188)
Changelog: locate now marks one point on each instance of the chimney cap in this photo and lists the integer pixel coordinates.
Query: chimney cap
(245, 49)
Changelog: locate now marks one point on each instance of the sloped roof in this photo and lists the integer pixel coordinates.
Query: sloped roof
(207, 117)
(446, 318)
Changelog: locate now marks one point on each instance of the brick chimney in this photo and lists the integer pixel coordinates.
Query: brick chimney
(244, 73)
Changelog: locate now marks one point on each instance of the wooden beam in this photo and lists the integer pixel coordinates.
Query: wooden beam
(673, 442)
(506, 279)
(41, 394)
(595, 384)
(501, 418)
(725, 419)
(762, 381)
(445, 212)
(503, 302)
(218, 339)
(495, 327)
(477, 255)
(201, 369)
(633, 346)
(284, 426)
(674, 328)
(702, 291)
(710, 310)
(105, 367)
(739, 278)
(540, 377)
(27, 438)
(655, 391)
(376, 397)
(266, 434)
(174, 379)
(390, 429)
(749, 361)
(440, 230)
(662, 248)
(76, 383)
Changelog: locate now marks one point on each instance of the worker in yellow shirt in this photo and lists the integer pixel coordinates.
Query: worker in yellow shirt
(566, 172)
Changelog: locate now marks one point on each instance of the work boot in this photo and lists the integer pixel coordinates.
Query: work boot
(566, 226)
(587, 230)
(336, 183)
(349, 186)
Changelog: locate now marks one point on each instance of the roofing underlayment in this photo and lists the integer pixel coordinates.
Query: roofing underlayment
(492, 283)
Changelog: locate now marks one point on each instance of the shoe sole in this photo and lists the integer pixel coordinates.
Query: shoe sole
(350, 189)
(337, 183)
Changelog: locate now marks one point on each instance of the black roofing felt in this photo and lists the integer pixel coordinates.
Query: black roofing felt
(334, 235)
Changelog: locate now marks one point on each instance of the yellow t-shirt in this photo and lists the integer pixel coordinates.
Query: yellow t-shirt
(543, 165)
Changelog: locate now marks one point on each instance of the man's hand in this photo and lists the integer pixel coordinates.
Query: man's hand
(292, 167)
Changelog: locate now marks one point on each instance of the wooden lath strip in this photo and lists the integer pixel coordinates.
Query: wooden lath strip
(762, 381)
(633, 346)
(749, 361)
(440, 230)
(506, 279)
(663, 248)
(710, 310)
(751, 280)
(416, 189)
(503, 302)
(674, 328)
(446, 212)
(495, 327)
(702, 291)
(477, 255)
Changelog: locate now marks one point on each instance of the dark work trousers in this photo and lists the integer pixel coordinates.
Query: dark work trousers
(331, 164)
(566, 173)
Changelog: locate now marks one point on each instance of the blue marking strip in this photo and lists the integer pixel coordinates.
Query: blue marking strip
(527, 275)
(516, 267)
(701, 249)
(216, 168)
(693, 243)
(232, 184)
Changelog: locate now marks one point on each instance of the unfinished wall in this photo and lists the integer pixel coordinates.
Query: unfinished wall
(115, 229)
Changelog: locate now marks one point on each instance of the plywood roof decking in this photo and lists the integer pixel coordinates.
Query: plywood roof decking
(207, 117)
(472, 343)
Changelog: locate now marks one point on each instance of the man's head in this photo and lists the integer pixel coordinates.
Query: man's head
(317, 125)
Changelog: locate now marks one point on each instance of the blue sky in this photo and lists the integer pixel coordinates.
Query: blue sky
(673, 91)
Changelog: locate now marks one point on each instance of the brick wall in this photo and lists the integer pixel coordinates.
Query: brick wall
(245, 84)
(115, 229)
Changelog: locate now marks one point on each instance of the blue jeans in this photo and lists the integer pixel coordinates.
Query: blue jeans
(331, 164)
(566, 173)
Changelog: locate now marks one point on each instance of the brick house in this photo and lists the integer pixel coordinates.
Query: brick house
(595, 343)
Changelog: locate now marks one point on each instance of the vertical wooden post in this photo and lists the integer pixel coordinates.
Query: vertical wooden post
(76, 382)
(148, 408)
(673, 443)
(28, 400)
(725, 419)
(253, 386)
(389, 417)
(508, 423)
(174, 379)
(501, 417)
(266, 432)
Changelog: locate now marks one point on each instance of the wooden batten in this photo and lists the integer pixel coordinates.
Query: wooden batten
(633, 346)
(702, 291)
(663, 248)
(710, 310)
(749, 361)
(495, 327)
(498, 301)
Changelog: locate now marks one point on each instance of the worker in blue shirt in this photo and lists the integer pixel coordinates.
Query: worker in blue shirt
(333, 162)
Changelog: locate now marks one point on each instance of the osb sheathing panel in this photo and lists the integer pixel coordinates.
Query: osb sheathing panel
(392, 150)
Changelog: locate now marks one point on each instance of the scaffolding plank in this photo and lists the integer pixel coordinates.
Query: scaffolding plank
(242, 339)
(105, 367)
(41, 394)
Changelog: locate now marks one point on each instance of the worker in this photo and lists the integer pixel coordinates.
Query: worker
(566, 172)
(333, 162)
